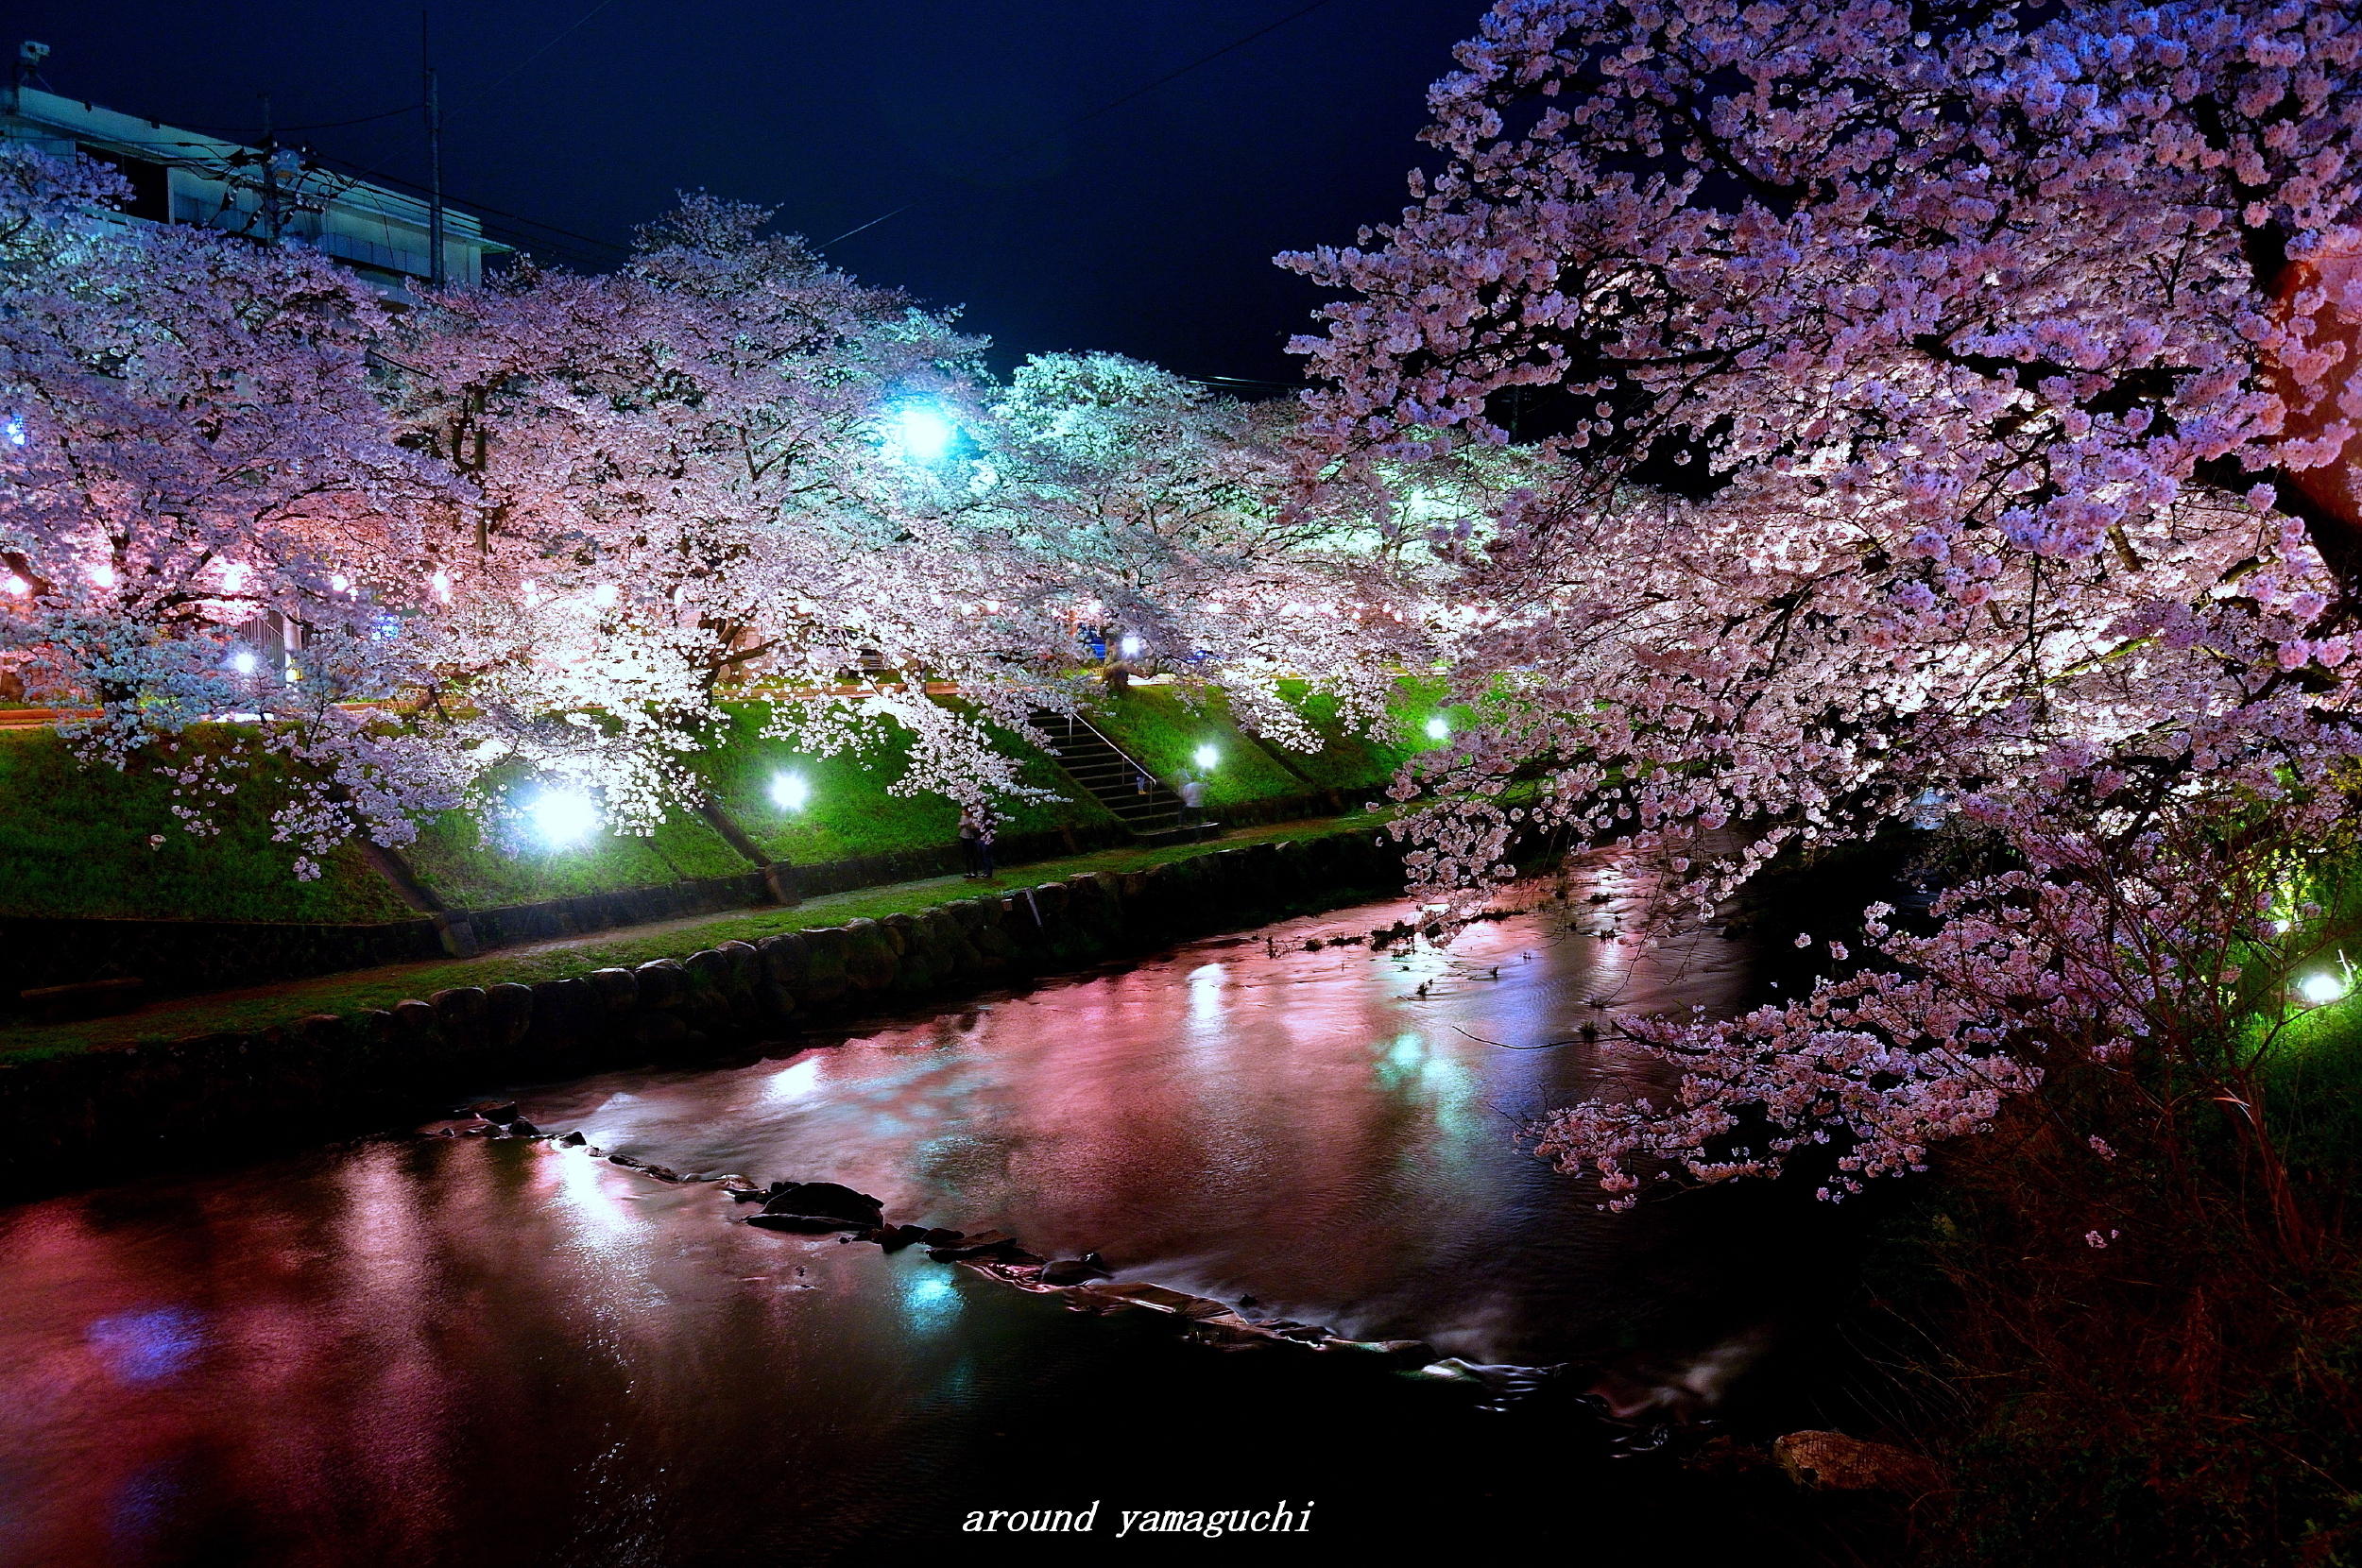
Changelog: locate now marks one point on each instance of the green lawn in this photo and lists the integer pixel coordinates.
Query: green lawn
(849, 810)
(76, 840)
(1162, 727)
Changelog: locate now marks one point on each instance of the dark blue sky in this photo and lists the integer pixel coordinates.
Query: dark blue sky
(1148, 230)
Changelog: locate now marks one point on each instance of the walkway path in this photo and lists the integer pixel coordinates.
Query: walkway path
(259, 1007)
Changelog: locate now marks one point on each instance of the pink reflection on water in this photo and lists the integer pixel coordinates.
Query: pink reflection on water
(1328, 1132)
(363, 1345)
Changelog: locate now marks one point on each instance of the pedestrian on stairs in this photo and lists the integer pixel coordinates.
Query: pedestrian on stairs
(1192, 800)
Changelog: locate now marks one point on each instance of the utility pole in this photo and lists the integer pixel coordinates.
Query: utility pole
(270, 174)
(433, 159)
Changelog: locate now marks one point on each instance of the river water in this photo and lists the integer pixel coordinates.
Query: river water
(430, 1350)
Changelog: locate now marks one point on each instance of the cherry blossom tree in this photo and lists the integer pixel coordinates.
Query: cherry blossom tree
(690, 493)
(1938, 390)
(192, 444)
(1166, 514)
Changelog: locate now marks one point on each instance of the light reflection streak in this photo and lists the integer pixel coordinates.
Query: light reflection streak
(930, 1301)
(796, 1080)
(1206, 983)
(596, 1202)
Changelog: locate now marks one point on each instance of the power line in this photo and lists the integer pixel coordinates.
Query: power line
(1103, 109)
(479, 208)
(389, 150)
(322, 125)
(553, 43)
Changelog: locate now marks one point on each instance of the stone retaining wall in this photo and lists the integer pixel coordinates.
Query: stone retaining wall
(66, 1119)
(180, 956)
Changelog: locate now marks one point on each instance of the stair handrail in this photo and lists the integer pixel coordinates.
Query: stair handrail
(1101, 735)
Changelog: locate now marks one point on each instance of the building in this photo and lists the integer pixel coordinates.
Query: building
(269, 193)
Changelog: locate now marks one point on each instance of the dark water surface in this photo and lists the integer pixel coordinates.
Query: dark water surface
(429, 1352)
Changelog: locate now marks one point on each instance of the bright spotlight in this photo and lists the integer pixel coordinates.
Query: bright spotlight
(789, 792)
(925, 434)
(243, 661)
(1129, 647)
(2321, 989)
(562, 816)
(1208, 756)
(1438, 730)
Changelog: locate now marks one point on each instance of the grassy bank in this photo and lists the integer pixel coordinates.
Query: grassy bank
(93, 842)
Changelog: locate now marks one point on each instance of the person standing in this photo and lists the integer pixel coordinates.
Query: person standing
(976, 841)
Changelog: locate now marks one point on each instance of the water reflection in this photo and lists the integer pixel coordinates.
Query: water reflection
(438, 1351)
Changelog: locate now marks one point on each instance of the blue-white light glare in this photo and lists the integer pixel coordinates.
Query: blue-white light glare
(924, 434)
(561, 817)
(243, 661)
(790, 793)
(1129, 647)
(2320, 990)
(1438, 730)
(1208, 756)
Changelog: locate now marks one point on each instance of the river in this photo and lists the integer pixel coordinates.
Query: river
(456, 1351)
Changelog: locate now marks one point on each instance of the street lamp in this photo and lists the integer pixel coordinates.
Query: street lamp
(1437, 729)
(1208, 756)
(2320, 990)
(789, 792)
(924, 432)
(560, 817)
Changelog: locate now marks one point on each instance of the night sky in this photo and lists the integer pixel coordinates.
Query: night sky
(1147, 229)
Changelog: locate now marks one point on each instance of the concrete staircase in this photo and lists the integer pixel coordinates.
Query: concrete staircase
(1092, 761)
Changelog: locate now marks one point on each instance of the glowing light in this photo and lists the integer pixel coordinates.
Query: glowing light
(243, 661)
(17, 586)
(562, 816)
(923, 433)
(789, 791)
(1207, 756)
(440, 585)
(2319, 990)
(930, 1301)
(1129, 647)
(14, 428)
(233, 577)
(340, 584)
(102, 575)
(1438, 730)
